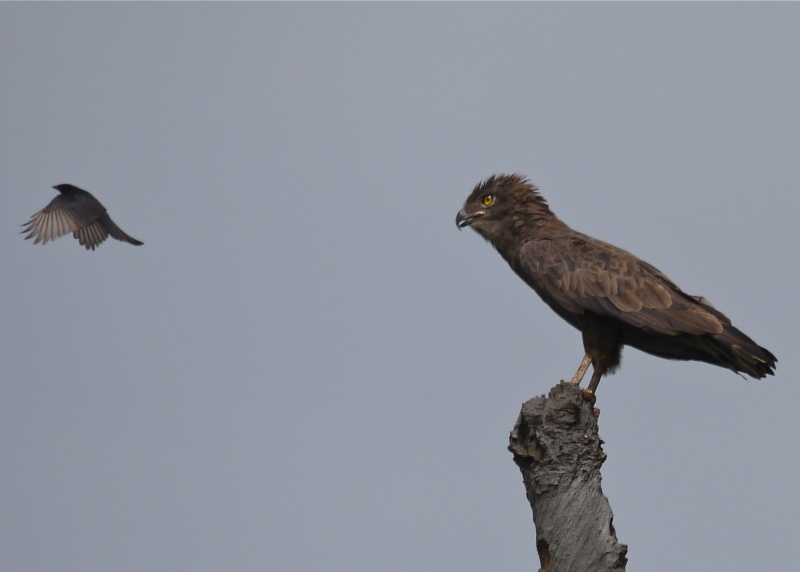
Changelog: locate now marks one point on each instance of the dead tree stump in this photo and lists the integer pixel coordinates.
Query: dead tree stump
(557, 447)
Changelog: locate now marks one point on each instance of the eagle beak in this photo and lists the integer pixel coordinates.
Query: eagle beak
(463, 218)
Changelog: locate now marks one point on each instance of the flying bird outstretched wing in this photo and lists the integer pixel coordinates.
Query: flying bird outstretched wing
(78, 212)
(612, 297)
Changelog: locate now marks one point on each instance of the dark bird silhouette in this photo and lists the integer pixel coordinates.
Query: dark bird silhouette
(612, 297)
(78, 212)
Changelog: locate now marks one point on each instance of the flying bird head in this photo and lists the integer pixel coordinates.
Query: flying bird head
(502, 203)
(67, 188)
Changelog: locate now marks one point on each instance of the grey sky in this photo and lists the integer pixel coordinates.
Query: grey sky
(306, 366)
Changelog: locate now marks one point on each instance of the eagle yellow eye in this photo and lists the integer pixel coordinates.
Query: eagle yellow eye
(487, 200)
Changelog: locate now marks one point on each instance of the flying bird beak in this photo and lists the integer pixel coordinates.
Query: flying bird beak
(463, 218)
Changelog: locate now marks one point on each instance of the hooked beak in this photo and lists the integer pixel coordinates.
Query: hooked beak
(463, 218)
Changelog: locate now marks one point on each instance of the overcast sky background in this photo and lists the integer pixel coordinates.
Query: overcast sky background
(306, 366)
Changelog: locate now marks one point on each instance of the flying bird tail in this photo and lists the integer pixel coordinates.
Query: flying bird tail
(117, 232)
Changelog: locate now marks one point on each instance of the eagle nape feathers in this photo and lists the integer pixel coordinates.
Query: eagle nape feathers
(612, 297)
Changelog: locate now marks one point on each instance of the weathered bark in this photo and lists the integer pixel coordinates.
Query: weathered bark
(557, 447)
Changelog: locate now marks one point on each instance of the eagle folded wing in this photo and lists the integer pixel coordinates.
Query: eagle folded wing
(581, 274)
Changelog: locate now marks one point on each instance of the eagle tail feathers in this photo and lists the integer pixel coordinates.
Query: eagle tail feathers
(734, 350)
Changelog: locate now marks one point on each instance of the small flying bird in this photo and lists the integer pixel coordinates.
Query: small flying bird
(612, 297)
(78, 212)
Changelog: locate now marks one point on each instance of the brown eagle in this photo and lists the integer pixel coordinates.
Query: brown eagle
(612, 297)
(78, 212)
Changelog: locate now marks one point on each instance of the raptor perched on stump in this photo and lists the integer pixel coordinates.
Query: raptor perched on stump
(612, 297)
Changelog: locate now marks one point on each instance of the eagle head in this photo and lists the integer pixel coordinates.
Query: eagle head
(496, 204)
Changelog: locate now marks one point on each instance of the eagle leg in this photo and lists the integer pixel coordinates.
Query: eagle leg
(576, 379)
(596, 375)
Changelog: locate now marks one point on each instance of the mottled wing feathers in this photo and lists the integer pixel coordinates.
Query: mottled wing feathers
(62, 216)
(582, 274)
